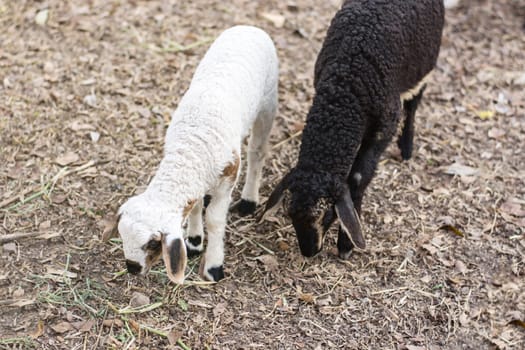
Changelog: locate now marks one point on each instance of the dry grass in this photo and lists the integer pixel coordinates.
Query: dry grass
(85, 102)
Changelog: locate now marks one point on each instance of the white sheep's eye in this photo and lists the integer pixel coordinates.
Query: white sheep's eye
(153, 245)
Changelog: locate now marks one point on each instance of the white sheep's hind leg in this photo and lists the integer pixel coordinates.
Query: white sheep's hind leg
(257, 149)
(216, 214)
(195, 231)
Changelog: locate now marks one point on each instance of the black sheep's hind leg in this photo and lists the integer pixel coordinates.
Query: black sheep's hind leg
(406, 140)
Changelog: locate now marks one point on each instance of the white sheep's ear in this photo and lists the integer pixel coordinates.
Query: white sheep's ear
(275, 199)
(174, 255)
(110, 227)
(349, 220)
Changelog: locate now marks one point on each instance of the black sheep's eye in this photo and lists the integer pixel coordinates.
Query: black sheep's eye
(153, 245)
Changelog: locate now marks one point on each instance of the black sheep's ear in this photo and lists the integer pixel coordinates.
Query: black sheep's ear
(276, 198)
(174, 255)
(349, 219)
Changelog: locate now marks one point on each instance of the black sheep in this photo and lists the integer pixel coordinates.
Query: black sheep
(375, 58)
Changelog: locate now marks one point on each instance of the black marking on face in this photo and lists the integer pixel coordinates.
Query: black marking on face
(133, 267)
(153, 245)
(206, 200)
(309, 241)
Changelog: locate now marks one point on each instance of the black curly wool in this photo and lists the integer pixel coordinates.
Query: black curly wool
(376, 52)
(373, 52)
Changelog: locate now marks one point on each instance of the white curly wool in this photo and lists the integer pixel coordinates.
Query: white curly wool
(233, 91)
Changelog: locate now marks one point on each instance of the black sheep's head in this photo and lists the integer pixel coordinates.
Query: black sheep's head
(314, 200)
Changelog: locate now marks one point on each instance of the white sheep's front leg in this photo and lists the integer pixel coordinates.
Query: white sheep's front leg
(195, 231)
(216, 214)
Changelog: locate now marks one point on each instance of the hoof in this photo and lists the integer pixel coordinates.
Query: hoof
(344, 254)
(406, 150)
(193, 246)
(244, 207)
(216, 273)
(213, 274)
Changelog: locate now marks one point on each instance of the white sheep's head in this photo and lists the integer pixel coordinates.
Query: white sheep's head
(314, 201)
(149, 231)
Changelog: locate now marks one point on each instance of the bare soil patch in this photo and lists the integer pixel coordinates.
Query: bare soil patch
(86, 90)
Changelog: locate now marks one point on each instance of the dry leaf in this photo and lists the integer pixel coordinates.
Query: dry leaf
(430, 248)
(307, 297)
(483, 115)
(276, 19)
(174, 336)
(269, 261)
(135, 325)
(68, 158)
(512, 206)
(95, 136)
(283, 246)
(61, 327)
(9, 247)
(496, 133)
(41, 17)
(460, 267)
(113, 322)
(44, 225)
(452, 229)
(58, 198)
(138, 300)
(463, 319)
(461, 170)
(416, 347)
(38, 331)
(83, 326)
(78, 126)
(18, 293)
(90, 100)
(426, 279)
(89, 81)
(219, 309)
(519, 323)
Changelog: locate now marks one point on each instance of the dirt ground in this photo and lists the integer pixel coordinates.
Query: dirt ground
(86, 90)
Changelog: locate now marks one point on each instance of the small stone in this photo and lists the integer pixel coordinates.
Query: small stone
(10, 247)
(138, 300)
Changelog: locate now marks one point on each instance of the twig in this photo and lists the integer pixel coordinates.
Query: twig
(7, 201)
(176, 47)
(20, 235)
(393, 290)
(268, 250)
(279, 144)
(46, 189)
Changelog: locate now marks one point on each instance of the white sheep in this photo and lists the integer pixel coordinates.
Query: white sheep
(233, 91)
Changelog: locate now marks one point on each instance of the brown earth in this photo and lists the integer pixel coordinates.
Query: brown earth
(86, 89)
